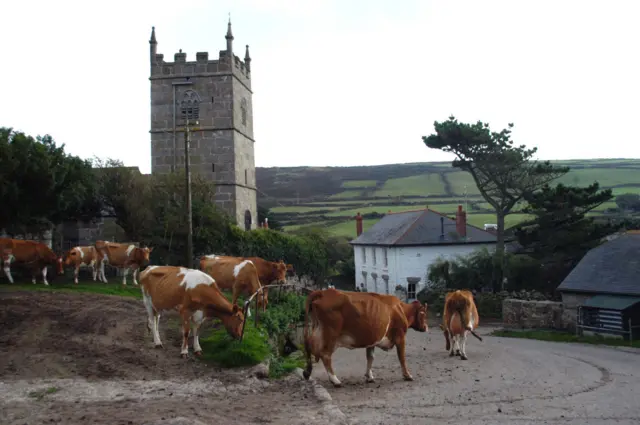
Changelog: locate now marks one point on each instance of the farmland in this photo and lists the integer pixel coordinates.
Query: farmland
(331, 196)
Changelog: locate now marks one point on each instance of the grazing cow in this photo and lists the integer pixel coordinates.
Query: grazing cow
(460, 317)
(238, 275)
(121, 255)
(195, 295)
(82, 255)
(358, 320)
(34, 254)
(268, 271)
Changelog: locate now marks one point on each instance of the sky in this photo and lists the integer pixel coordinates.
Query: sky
(336, 82)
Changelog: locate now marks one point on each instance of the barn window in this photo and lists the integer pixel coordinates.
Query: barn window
(190, 105)
(411, 291)
(243, 110)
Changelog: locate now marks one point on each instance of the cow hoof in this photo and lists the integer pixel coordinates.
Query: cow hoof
(306, 374)
(463, 357)
(184, 356)
(451, 354)
(197, 353)
(408, 378)
(370, 380)
(159, 346)
(337, 385)
(457, 352)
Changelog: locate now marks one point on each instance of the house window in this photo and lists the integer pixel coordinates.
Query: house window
(364, 255)
(386, 257)
(243, 111)
(190, 105)
(411, 291)
(374, 256)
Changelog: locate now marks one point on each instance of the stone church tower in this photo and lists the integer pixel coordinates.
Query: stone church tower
(217, 93)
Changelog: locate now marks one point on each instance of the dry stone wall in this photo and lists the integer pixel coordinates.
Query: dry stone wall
(522, 314)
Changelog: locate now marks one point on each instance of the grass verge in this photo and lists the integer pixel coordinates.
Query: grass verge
(557, 336)
(83, 287)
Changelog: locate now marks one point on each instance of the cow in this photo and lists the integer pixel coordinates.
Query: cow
(459, 318)
(83, 255)
(34, 254)
(195, 295)
(269, 272)
(239, 276)
(121, 255)
(358, 320)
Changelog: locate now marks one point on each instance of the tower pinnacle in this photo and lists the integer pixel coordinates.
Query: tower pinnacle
(229, 36)
(247, 59)
(153, 36)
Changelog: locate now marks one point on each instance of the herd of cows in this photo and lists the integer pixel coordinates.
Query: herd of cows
(333, 318)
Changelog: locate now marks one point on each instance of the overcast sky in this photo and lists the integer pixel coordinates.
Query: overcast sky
(336, 82)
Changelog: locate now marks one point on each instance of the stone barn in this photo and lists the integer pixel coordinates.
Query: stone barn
(603, 291)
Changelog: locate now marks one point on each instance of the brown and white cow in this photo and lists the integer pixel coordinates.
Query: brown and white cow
(460, 317)
(83, 255)
(35, 255)
(235, 274)
(195, 295)
(269, 272)
(122, 255)
(358, 320)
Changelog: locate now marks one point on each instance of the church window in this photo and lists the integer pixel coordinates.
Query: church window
(190, 105)
(243, 110)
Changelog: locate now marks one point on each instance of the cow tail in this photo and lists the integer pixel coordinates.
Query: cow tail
(307, 332)
(462, 309)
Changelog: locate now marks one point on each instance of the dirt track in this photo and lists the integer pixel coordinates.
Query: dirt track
(505, 381)
(85, 358)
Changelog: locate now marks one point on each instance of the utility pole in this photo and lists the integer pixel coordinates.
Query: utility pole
(187, 172)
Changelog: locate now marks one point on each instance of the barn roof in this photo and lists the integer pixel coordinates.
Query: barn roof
(610, 268)
(420, 228)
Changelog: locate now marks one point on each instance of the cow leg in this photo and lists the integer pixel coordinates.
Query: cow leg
(447, 339)
(7, 269)
(156, 329)
(101, 274)
(186, 328)
(44, 276)
(75, 274)
(403, 361)
(125, 270)
(94, 270)
(196, 322)
(148, 305)
(369, 373)
(463, 351)
(326, 360)
(135, 272)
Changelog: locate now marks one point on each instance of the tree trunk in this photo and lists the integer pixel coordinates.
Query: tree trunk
(499, 254)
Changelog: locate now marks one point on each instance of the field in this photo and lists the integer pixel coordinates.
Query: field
(330, 197)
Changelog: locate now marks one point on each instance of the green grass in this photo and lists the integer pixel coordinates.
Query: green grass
(114, 287)
(346, 194)
(458, 180)
(383, 209)
(605, 206)
(606, 177)
(348, 228)
(555, 336)
(298, 209)
(358, 183)
(220, 348)
(421, 185)
(479, 220)
(281, 366)
(39, 395)
(628, 189)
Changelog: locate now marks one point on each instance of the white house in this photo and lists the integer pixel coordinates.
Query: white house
(399, 248)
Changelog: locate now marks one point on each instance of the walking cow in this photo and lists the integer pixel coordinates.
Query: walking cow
(34, 254)
(460, 317)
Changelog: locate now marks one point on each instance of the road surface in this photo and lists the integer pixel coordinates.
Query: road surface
(505, 381)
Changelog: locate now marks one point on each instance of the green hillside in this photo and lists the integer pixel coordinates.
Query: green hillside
(331, 196)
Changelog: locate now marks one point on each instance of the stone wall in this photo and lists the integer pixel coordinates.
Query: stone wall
(521, 314)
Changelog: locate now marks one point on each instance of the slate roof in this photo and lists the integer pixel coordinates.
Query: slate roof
(420, 228)
(610, 268)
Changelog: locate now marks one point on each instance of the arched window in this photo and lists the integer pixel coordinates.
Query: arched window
(190, 105)
(243, 110)
(247, 220)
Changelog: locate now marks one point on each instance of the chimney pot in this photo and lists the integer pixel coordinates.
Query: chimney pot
(358, 224)
(461, 222)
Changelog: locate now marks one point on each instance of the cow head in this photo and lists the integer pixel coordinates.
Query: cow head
(144, 260)
(279, 272)
(234, 322)
(419, 322)
(290, 270)
(67, 258)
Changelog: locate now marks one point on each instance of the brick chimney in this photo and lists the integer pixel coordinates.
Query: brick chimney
(461, 222)
(358, 225)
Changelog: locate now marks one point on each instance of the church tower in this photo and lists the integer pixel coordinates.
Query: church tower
(217, 93)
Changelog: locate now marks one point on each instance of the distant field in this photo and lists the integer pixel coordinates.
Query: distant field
(421, 185)
(344, 191)
(358, 183)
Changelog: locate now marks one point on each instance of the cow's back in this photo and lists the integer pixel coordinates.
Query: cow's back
(221, 269)
(162, 283)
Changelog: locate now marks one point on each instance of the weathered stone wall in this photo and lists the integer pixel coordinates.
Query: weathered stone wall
(521, 314)
(570, 304)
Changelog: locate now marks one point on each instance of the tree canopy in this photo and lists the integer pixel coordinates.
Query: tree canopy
(41, 185)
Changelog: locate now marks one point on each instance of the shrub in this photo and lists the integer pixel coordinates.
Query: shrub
(223, 350)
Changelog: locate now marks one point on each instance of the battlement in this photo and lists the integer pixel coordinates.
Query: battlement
(180, 66)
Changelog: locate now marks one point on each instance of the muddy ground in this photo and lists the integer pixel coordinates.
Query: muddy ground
(85, 358)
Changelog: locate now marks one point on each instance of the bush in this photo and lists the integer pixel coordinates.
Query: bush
(223, 350)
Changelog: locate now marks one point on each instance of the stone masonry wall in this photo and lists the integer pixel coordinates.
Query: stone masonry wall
(521, 314)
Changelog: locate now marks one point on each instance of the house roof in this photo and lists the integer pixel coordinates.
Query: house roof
(419, 228)
(610, 268)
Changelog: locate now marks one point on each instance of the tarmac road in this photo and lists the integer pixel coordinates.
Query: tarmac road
(505, 381)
